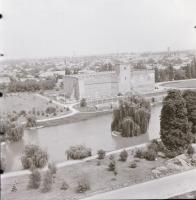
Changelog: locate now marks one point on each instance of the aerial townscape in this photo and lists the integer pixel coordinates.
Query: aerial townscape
(98, 126)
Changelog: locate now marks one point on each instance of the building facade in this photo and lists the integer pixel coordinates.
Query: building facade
(107, 84)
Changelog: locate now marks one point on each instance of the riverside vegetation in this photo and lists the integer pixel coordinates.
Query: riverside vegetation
(132, 117)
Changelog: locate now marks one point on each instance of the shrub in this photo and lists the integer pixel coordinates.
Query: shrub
(52, 168)
(123, 155)
(190, 150)
(78, 152)
(34, 179)
(15, 132)
(111, 157)
(34, 156)
(157, 146)
(101, 154)
(47, 181)
(83, 185)
(150, 155)
(50, 110)
(64, 186)
(170, 154)
(31, 121)
(139, 154)
(112, 165)
(133, 164)
(22, 113)
(83, 102)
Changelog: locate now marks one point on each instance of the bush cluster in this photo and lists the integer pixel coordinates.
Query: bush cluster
(78, 152)
(123, 155)
(33, 156)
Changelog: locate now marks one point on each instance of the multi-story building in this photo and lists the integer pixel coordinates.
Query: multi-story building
(103, 84)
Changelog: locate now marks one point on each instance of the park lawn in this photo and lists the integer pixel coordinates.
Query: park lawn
(101, 180)
(27, 102)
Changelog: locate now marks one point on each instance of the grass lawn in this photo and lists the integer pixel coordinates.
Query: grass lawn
(101, 180)
(27, 102)
(184, 84)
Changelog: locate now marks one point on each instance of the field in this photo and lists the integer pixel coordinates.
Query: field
(182, 84)
(28, 102)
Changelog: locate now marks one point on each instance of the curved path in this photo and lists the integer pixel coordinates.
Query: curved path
(162, 188)
(71, 107)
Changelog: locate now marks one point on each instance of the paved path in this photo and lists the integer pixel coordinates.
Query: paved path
(156, 189)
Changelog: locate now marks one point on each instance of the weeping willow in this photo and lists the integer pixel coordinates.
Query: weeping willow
(132, 116)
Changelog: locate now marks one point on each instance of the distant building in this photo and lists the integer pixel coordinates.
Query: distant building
(103, 84)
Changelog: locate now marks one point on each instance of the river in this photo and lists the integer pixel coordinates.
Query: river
(94, 133)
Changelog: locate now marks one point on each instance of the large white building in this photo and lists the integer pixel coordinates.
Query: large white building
(103, 84)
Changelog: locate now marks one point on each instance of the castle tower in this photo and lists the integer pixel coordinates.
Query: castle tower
(123, 74)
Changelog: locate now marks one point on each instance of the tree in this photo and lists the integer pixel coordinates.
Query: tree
(67, 71)
(14, 132)
(47, 181)
(34, 179)
(190, 98)
(188, 71)
(156, 70)
(171, 72)
(31, 121)
(132, 117)
(175, 129)
(193, 68)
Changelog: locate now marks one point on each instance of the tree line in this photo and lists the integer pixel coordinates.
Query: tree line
(169, 74)
(31, 85)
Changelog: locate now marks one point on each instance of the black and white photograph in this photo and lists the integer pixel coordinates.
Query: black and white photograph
(97, 99)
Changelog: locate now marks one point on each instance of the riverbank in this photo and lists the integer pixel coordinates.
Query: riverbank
(79, 116)
(96, 172)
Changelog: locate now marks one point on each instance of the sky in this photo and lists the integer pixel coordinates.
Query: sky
(47, 28)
